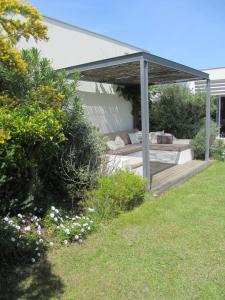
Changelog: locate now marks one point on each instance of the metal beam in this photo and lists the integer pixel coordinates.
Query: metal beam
(219, 115)
(207, 120)
(145, 119)
(135, 57)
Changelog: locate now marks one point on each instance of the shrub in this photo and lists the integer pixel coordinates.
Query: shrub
(198, 144)
(116, 193)
(66, 228)
(177, 110)
(218, 150)
(21, 239)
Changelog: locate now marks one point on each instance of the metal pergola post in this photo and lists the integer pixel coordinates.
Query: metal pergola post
(219, 115)
(207, 120)
(145, 119)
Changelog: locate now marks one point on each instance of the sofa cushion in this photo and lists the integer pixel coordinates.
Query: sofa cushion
(123, 134)
(134, 138)
(130, 148)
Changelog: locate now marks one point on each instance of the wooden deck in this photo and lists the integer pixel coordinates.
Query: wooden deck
(166, 176)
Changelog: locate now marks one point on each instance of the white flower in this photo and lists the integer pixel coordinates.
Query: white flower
(33, 260)
(76, 224)
(35, 208)
(85, 224)
(82, 230)
(89, 228)
(65, 242)
(20, 216)
(55, 219)
(76, 237)
(23, 221)
(40, 241)
(39, 254)
(6, 219)
(57, 211)
(62, 226)
(37, 243)
(80, 241)
(52, 215)
(67, 231)
(36, 249)
(58, 227)
(52, 207)
(27, 228)
(51, 243)
(39, 232)
(91, 221)
(17, 227)
(91, 209)
(13, 239)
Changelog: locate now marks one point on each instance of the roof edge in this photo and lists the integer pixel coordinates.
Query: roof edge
(92, 33)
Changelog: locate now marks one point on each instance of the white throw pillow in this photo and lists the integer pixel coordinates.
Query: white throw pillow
(112, 145)
(153, 136)
(134, 138)
(119, 142)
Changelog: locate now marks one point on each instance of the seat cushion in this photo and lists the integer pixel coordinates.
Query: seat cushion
(130, 148)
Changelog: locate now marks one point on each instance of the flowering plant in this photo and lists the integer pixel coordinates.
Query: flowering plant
(68, 228)
(21, 239)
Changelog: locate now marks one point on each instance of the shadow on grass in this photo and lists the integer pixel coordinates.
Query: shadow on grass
(36, 282)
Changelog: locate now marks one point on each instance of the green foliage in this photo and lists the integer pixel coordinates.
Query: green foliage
(20, 239)
(218, 150)
(64, 227)
(177, 110)
(198, 143)
(33, 118)
(116, 193)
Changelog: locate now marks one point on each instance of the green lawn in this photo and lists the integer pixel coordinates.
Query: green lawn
(171, 247)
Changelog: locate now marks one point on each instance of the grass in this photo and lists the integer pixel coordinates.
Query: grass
(171, 247)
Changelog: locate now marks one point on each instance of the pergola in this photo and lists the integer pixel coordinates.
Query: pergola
(144, 69)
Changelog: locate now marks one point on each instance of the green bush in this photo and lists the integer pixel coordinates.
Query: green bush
(218, 150)
(198, 143)
(116, 193)
(177, 110)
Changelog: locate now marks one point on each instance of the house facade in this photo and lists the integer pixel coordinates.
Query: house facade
(71, 45)
(217, 89)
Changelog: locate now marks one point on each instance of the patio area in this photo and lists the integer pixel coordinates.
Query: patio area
(144, 69)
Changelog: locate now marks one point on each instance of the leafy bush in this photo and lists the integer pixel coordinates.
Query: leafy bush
(24, 238)
(116, 193)
(21, 239)
(177, 110)
(198, 144)
(218, 150)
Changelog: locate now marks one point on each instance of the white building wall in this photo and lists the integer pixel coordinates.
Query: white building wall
(217, 86)
(70, 45)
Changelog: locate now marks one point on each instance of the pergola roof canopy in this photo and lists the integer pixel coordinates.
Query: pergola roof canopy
(125, 70)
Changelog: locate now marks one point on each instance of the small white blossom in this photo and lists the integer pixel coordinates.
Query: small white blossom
(55, 219)
(6, 219)
(27, 228)
(13, 239)
(33, 260)
(52, 215)
(89, 228)
(51, 243)
(39, 254)
(82, 230)
(52, 207)
(80, 240)
(76, 237)
(65, 242)
(91, 209)
(57, 211)
(67, 231)
(20, 216)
